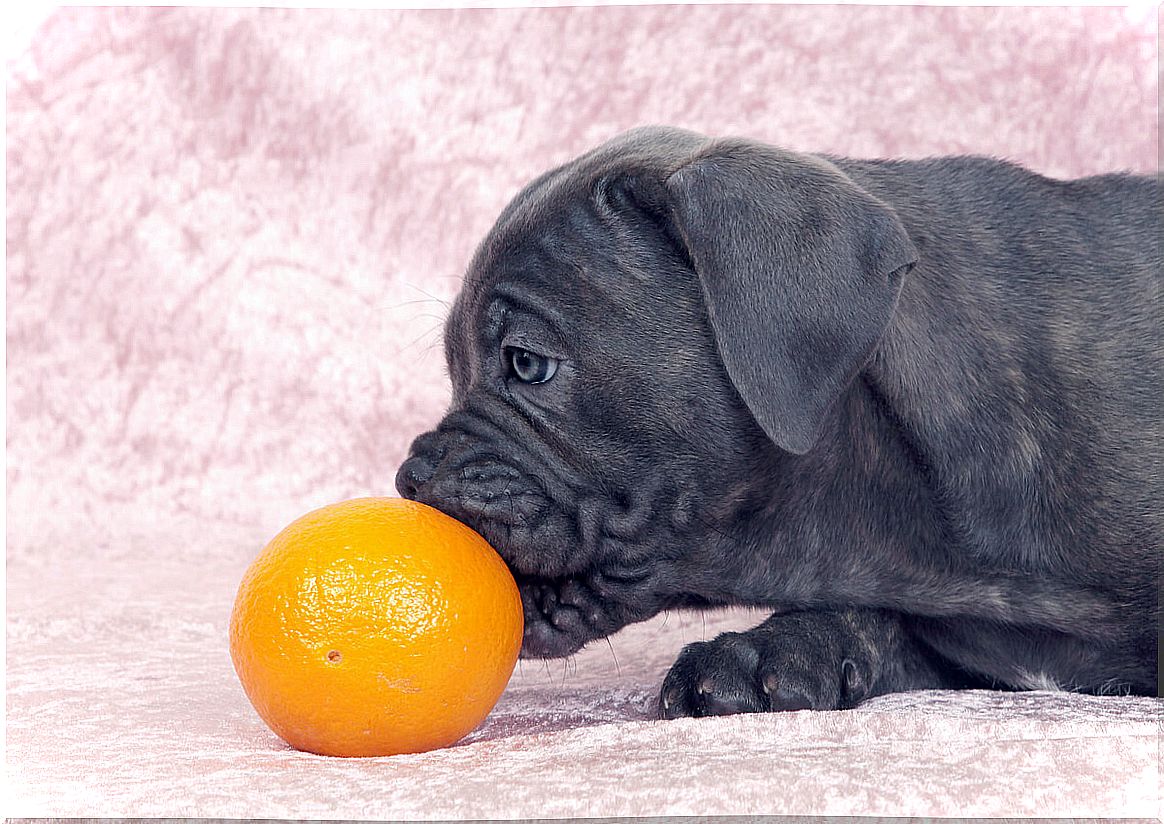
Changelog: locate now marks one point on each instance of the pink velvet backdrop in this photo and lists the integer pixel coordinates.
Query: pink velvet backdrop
(232, 235)
(230, 231)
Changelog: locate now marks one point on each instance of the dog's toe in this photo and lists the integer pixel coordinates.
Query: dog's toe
(783, 697)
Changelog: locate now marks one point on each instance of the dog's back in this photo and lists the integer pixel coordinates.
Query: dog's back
(1026, 356)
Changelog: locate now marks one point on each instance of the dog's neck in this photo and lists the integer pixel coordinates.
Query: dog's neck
(795, 550)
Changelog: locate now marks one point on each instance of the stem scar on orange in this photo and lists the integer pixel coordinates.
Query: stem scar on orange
(375, 626)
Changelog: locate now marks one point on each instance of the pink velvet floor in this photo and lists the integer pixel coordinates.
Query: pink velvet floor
(231, 238)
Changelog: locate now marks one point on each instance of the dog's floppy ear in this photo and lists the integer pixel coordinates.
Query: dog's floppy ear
(800, 268)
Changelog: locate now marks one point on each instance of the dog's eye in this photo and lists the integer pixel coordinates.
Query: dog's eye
(530, 367)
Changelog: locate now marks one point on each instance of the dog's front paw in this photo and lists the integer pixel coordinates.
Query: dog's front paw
(790, 662)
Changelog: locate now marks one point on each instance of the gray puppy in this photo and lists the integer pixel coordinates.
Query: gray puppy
(914, 408)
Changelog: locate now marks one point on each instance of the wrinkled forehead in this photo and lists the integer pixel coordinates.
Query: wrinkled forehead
(559, 244)
(541, 258)
(527, 272)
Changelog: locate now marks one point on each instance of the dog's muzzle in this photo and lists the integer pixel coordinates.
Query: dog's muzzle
(463, 477)
(568, 599)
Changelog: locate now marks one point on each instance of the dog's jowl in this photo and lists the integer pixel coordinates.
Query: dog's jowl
(912, 407)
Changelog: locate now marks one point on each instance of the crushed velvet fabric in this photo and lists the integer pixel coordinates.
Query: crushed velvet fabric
(231, 234)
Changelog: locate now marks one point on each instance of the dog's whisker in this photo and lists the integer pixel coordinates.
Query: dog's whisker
(617, 668)
(429, 295)
(414, 302)
(421, 337)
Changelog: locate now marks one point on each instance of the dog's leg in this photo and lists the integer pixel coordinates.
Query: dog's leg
(802, 660)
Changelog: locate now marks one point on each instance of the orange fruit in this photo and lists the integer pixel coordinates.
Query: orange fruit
(375, 626)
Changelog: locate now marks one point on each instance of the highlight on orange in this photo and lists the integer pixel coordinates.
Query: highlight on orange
(375, 626)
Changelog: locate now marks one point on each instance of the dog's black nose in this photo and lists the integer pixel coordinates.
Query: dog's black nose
(415, 473)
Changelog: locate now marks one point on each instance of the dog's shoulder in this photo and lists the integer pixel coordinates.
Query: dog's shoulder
(978, 186)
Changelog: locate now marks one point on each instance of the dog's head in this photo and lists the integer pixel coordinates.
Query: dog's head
(641, 340)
